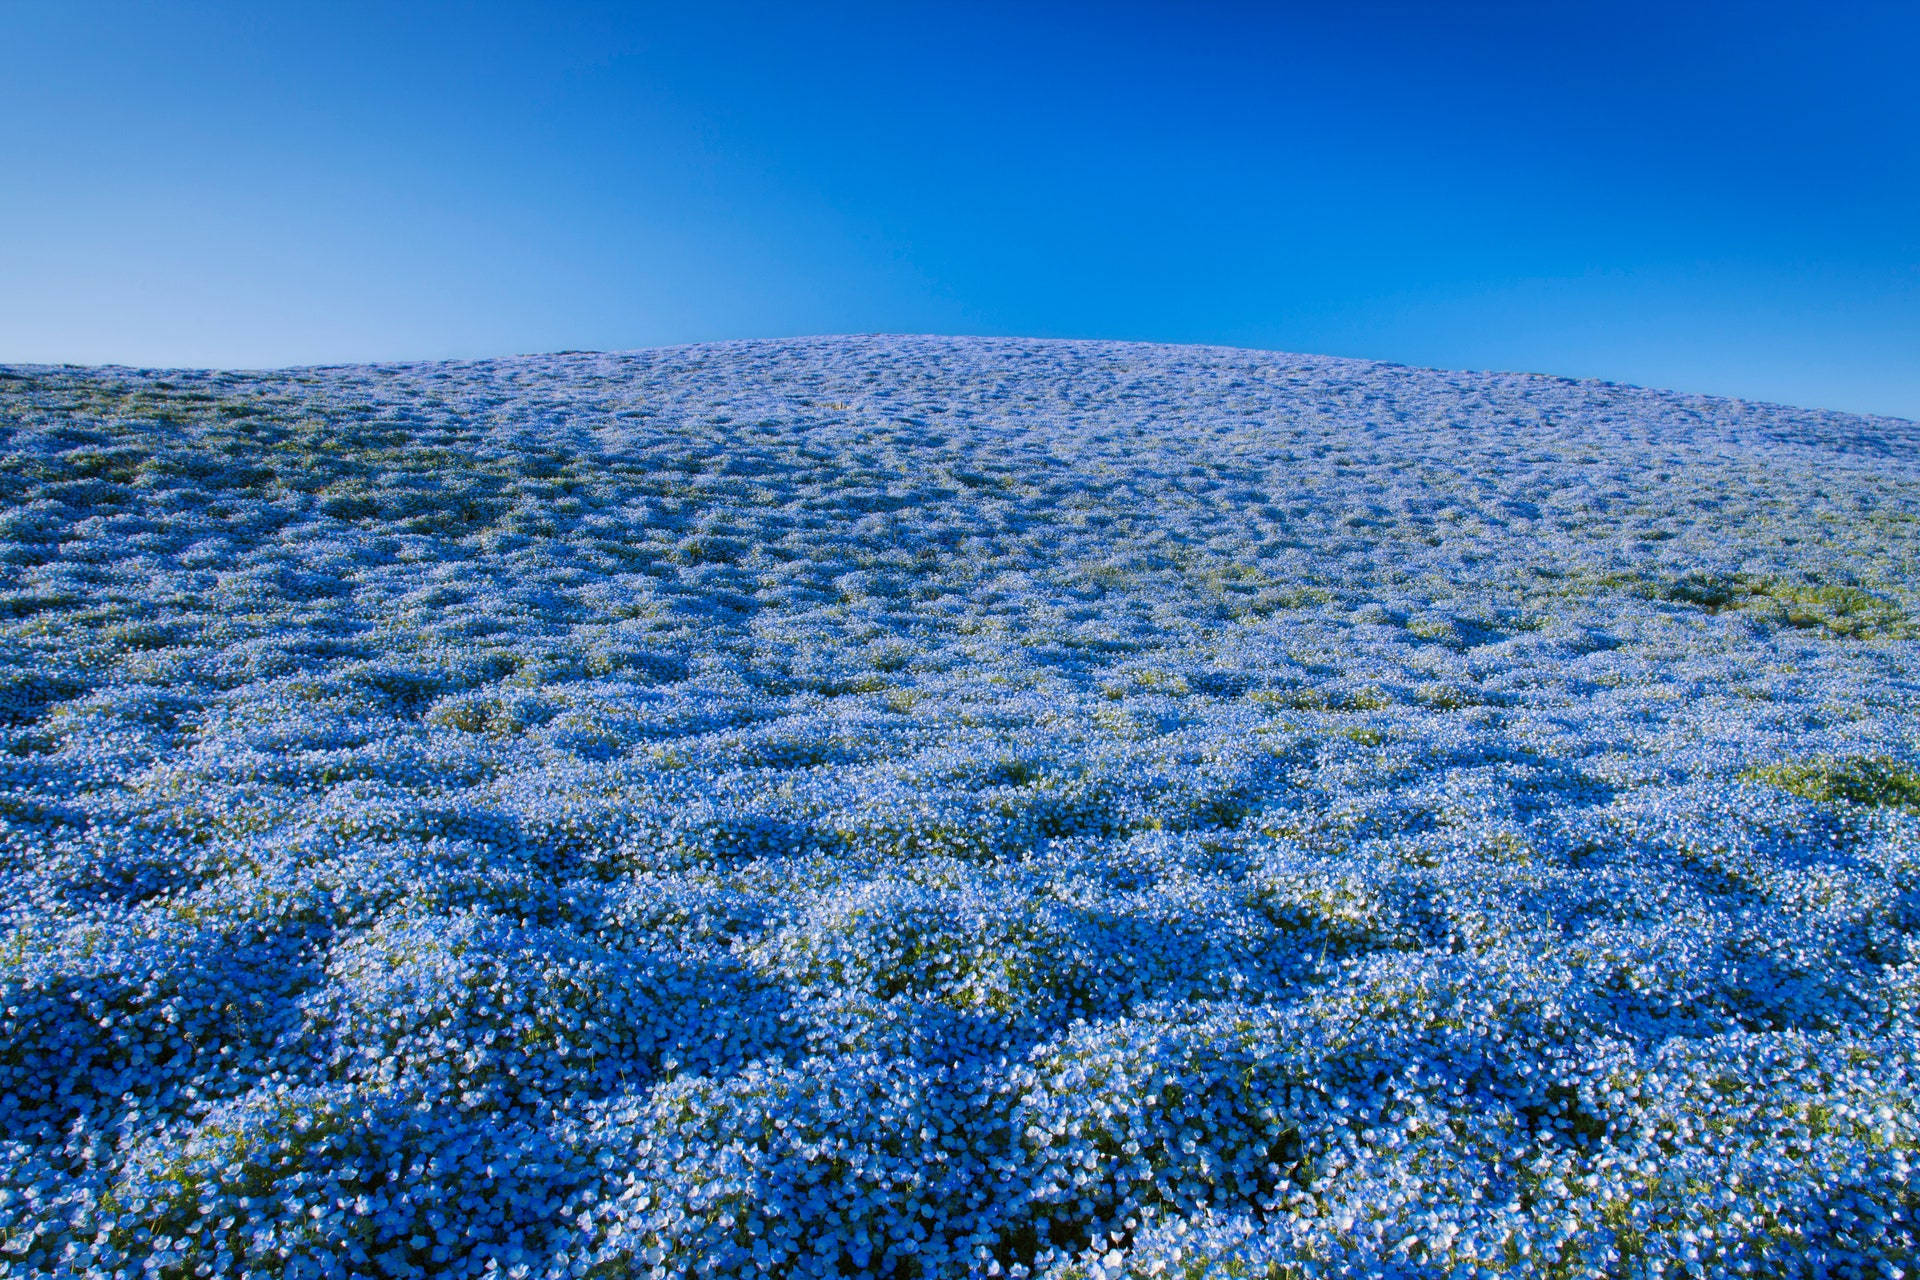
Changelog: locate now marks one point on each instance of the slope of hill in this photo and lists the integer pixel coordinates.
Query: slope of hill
(930, 807)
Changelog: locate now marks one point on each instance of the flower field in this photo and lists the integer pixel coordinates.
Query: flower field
(948, 807)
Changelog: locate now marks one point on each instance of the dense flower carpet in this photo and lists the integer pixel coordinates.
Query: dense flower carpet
(935, 808)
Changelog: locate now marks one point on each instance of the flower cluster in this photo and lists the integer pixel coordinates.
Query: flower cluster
(936, 808)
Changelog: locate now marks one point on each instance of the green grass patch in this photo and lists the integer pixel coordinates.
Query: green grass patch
(1837, 609)
(1869, 780)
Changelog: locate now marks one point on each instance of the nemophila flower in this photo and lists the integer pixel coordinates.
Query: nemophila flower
(931, 808)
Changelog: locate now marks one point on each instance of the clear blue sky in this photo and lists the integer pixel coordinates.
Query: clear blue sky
(1715, 197)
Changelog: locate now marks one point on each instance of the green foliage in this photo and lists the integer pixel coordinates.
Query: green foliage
(1838, 609)
(1877, 780)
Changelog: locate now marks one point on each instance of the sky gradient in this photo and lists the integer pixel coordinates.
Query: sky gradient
(1711, 197)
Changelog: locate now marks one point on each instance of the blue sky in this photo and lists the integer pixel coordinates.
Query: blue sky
(1714, 197)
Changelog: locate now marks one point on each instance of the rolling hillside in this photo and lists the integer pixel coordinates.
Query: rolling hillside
(931, 807)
